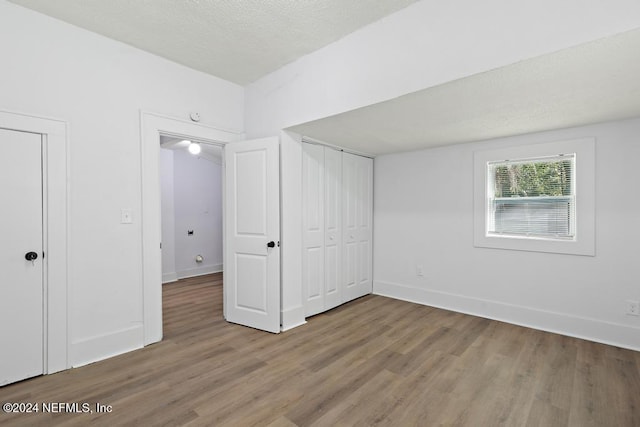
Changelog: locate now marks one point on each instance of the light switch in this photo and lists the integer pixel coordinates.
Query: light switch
(126, 216)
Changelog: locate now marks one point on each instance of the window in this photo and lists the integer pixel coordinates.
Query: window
(536, 197)
(532, 197)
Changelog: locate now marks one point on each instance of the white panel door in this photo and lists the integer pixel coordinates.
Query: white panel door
(322, 228)
(252, 228)
(21, 280)
(313, 265)
(332, 227)
(357, 176)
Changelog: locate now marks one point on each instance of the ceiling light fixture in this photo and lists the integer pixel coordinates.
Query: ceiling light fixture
(194, 148)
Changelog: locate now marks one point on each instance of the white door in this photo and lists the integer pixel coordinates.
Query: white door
(357, 176)
(332, 228)
(322, 233)
(252, 228)
(21, 280)
(313, 228)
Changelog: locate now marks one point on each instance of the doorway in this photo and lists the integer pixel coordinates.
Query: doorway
(153, 127)
(191, 208)
(191, 221)
(251, 224)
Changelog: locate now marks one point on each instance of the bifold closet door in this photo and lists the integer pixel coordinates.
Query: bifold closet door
(337, 194)
(313, 228)
(332, 228)
(322, 233)
(357, 211)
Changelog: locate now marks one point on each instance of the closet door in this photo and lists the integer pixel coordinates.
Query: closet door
(313, 266)
(357, 209)
(332, 227)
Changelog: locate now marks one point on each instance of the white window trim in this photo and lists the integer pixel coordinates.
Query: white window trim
(584, 241)
(492, 200)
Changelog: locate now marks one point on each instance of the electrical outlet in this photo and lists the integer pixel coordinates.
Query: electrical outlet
(633, 308)
(419, 271)
(126, 216)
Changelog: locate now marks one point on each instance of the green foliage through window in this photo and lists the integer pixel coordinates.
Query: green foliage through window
(533, 179)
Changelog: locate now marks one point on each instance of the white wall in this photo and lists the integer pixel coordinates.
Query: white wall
(99, 86)
(423, 215)
(197, 206)
(421, 46)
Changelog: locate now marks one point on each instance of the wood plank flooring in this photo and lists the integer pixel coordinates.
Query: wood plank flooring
(374, 361)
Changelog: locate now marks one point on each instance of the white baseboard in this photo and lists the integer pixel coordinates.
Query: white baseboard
(102, 347)
(292, 318)
(579, 327)
(169, 277)
(199, 271)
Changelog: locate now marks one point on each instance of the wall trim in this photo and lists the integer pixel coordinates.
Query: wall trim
(102, 347)
(192, 272)
(609, 333)
(169, 277)
(292, 318)
(56, 158)
(199, 271)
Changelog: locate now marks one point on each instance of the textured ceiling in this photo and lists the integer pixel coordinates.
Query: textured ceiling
(242, 40)
(590, 83)
(237, 40)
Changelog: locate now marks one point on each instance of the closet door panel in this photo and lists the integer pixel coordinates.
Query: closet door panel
(349, 193)
(350, 268)
(333, 226)
(312, 191)
(357, 214)
(313, 228)
(364, 264)
(314, 272)
(350, 224)
(365, 227)
(332, 276)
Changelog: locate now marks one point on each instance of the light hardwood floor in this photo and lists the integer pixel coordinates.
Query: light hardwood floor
(374, 361)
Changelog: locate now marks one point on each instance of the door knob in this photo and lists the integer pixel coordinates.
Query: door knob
(271, 244)
(31, 256)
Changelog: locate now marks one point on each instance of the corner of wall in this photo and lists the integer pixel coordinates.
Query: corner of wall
(292, 309)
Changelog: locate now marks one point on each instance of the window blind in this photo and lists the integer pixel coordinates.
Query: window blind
(532, 197)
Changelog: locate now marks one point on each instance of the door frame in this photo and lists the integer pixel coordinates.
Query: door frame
(55, 190)
(152, 125)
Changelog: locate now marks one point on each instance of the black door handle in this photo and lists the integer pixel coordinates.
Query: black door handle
(271, 244)
(31, 256)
